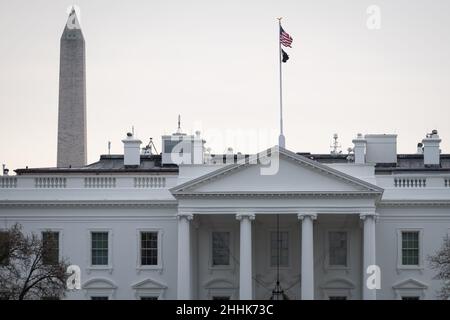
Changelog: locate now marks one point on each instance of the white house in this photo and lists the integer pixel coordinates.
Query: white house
(141, 226)
(185, 224)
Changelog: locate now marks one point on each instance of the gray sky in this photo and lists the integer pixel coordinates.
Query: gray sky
(215, 63)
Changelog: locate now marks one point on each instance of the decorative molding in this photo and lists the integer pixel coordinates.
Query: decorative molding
(89, 203)
(305, 162)
(302, 216)
(242, 216)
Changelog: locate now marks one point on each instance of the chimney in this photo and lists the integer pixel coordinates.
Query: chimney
(131, 151)
(431, 151)
(359, 149)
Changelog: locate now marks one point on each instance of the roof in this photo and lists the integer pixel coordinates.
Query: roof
(152, 164)
(111, 164)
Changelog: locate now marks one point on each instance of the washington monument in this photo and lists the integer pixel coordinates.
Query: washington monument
(72, 96)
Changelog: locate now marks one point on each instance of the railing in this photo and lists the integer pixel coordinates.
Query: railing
(100, 182)
(149, 182)
(50, 182)
(8, 182)
(410, 182)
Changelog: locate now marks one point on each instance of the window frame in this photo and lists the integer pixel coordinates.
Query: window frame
(328, 266)
(109, 266)
(42, 231)
(230, 253)
(400, 265)
(289, 248)
(4, 230)
(269, 247)
(159, 266)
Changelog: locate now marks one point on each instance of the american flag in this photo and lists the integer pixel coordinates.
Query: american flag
(285, 38)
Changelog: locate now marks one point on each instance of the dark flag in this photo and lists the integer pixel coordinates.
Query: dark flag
(285, 38)
(285, 56)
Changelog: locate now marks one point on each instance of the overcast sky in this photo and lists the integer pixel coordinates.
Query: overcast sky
(215, 63)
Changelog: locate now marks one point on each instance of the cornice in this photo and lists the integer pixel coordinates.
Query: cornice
(90, 203)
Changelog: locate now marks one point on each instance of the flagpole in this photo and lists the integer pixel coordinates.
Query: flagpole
(281, 138)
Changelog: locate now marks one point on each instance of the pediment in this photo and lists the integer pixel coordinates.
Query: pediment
(219, 284)
(149, 284)
(276, 170)
(339, 283)
(410, 284)
(99, 283)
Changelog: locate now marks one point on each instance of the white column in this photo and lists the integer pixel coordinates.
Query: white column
(307, 267)
(184, 290)
(369, 254)
(245, 256)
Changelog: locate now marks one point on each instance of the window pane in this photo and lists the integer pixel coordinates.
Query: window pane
(149, 298)
(410, 248)
(50, 243)
(4, 248)
(149, 248)
(100, 298)
(338, 298)
(221, 248)
(338, 248)
(279, 241)
(99, 248)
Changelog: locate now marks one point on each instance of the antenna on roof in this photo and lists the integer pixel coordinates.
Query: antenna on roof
(179, 124)
(109, 147)
(132, 130)
(335, 146)
(149, 148)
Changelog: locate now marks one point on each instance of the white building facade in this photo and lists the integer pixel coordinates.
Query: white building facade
(229, 226)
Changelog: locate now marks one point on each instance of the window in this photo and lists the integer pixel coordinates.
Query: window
(337, 298)
(149, 248)
(4, 248)
(337, 243)
(410, 248)
(49, 298)
(221, 297)
(99, 248)
(279, 241)
(220, 248)
(99, 298)
(148, 298)
(50, 246)
(411, 298)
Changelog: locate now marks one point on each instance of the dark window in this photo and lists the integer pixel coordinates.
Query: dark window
(410, 298)
(5, 248)
(410, 248)
(100, 298)
(49, 298)
(99, 247)
(279, 241)
(50, 245)
(221, 298)
(338, 298)
(149, 298)
(149, 248)
(338, 248)
(221, 248)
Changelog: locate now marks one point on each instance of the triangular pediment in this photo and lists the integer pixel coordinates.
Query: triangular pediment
(149, 284)
(410, 284)
(276, 170)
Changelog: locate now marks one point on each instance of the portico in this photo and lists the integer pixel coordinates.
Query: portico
(318, 196)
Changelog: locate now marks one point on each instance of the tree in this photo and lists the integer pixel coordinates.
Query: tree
(30, 267)
(440, 262)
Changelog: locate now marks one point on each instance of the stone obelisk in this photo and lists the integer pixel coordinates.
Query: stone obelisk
(72, 96)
